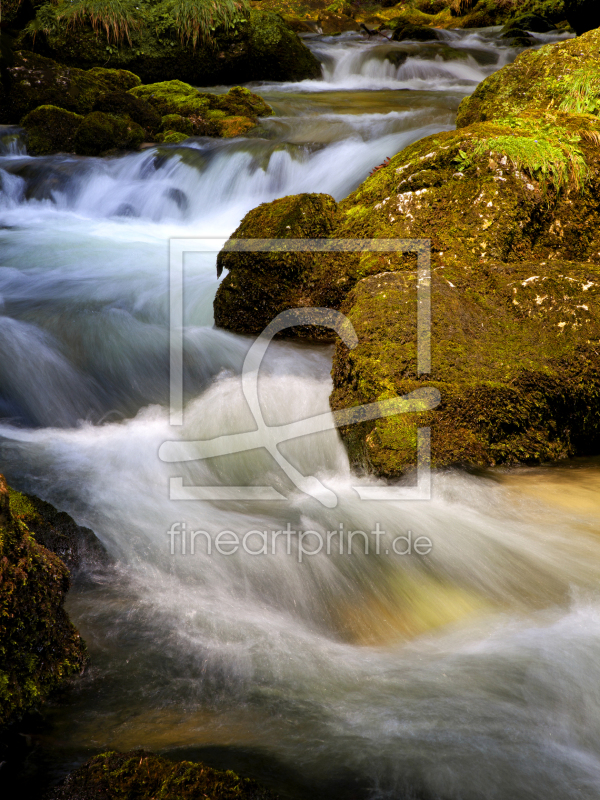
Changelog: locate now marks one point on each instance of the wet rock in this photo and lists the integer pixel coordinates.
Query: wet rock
(260, 285)
(33, 81)
(530, 22)
(583, 15)
(175, 122)
(144, 776)
(50, 130)
(406, 31)
(39, 647)
(99, 132)
(518, 38)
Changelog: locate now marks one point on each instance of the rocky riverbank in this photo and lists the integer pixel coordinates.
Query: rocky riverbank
(509, 202)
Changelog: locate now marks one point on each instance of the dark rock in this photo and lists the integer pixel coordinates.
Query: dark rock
(414, 33)
(583, 15)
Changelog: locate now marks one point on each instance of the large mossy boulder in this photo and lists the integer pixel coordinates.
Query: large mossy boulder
(510, 205)
(259, 46)
(260, 285)
(33, 80)
(583, 15)
(145, 776)
(39, 647)
(560, 77)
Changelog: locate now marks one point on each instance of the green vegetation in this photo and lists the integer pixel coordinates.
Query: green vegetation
(117, 18)
(139, 775)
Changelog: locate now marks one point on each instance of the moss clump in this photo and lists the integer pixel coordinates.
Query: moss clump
(39, 647)
(124, 104)
(172, 137)
(562, 76)
(177, 123)
(50, 130)
(227, 115)
(141, 775)
(33, 81)
(259, 285)
(100, 132)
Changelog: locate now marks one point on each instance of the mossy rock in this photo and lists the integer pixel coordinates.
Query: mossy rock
(260, 285)
(33, 80)
(39, 647)
(50, 130)
(583, 15)
(124, 104)
(172, 137)
(563, 76)
(259, 46)
(226, 115)
(141, 775)
(177, 123)
(99, 132)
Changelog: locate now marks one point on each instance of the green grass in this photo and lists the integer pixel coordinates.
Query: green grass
(583, 96)
(117, 18)
(197, 20)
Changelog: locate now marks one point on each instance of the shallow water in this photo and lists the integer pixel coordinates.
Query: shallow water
(469, 672)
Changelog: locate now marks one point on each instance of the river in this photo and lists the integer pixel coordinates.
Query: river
(471, 672)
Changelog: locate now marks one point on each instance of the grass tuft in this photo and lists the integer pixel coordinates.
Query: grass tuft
(197, 20)
(117, 18)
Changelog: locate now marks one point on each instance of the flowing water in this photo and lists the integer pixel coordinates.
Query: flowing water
(468, 672)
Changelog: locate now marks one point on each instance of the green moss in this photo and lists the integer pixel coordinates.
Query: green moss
(35, 81)
(175, 122)
(254, 46)
(561, 76)
(171, 137)
(208, 114)
(99, 132)
(139, 775)
(39, 648)
(50, 130)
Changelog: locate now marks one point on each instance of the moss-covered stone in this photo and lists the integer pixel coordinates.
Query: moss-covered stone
(563, 76)
(175, 122)
(583, 15)
(33, 81)
(172, 137)
(39, 647)
(225, 115)
(405, 30)
(124, 104)
(50, 130)
(259, 46)
(139, 775)
(99, 132)
(260, 285)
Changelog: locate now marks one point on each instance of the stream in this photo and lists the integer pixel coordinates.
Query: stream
(471, 672)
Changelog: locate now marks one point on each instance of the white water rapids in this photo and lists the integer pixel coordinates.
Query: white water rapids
(469, 673)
